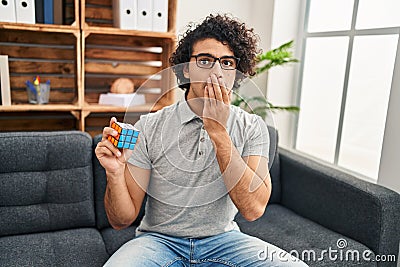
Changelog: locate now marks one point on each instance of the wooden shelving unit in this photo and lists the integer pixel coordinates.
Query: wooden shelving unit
(82, 60)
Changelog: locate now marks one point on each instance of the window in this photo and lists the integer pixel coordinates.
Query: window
(349, 53)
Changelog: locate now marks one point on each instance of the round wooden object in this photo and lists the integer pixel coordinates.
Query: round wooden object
(122, 86)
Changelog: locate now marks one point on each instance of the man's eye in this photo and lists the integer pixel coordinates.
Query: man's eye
(228, 62)
(204, 61)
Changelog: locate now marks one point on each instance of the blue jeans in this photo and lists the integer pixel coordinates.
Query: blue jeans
(227, 249)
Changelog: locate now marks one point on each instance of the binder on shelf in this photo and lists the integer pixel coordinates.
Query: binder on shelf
(160, 15)
(5, 81)
(144, 15)
(39, 11)
(58, 12)
(25, 11)
(125, 14)
(7, 11)
(48, 11)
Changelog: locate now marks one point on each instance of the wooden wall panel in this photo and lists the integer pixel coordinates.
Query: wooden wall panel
(118, 54)
(32, 37)
(99, 13)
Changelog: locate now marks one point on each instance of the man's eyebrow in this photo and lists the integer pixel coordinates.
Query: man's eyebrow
(205, 54)
(208, 54)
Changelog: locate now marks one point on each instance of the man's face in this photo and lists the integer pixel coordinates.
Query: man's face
(198, 76)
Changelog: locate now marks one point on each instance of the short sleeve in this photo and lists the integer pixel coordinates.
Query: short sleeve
(140, 155)
(257, 139)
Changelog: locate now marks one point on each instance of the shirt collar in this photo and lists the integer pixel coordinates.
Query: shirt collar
(185, 112)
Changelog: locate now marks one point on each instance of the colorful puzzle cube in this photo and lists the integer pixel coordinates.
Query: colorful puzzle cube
(127, 135)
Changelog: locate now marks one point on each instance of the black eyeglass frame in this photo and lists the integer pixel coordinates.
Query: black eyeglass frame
(215, 60)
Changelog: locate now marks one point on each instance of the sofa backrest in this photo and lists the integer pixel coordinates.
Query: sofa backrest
(273, 165)
(46, 181)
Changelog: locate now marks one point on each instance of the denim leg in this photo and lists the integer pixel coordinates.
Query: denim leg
(238, 249)
(151, 250)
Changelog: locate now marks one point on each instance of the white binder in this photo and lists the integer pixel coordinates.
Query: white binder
(160, 15)
(25, 11)
(7, 11)
(144, 15)
(5, 81)
(125, 14)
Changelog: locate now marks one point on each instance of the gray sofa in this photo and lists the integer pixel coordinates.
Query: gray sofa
(52, 213)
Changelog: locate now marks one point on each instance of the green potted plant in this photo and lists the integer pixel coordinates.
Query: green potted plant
(259, 104)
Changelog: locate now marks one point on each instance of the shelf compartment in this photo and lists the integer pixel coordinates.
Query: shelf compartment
(70, 16)
(51, 55)
(37, 121)
(99, 14)
(109, 57)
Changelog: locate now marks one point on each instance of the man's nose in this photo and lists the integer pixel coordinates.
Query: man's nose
(217, 70)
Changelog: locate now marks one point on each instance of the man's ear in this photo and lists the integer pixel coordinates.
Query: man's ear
(186, 70)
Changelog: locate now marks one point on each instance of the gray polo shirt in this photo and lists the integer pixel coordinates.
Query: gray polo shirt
(187, 196)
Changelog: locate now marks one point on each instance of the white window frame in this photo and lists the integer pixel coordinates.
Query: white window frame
(303, 36)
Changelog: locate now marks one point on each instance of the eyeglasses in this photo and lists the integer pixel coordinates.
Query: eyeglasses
(207, 61)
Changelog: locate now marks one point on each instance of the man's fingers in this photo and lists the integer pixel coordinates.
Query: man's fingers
(210, 88)
(216, 87)
(103, 151)
(112, 120)
(224, 91)
(107, 131)
(108, 145)
(206, 97)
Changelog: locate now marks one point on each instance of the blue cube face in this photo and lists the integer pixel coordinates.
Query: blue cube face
(127, 136)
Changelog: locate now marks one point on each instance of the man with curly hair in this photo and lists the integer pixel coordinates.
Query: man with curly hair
(200, 161)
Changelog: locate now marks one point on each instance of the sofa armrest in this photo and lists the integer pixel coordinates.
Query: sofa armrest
(363, 211)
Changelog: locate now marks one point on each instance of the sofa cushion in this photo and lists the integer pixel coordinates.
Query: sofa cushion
(114, 239)
(289, 231)
(46, 182)
(77, 247)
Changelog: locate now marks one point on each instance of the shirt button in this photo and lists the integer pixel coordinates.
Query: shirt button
(202, 139)
(201, 153)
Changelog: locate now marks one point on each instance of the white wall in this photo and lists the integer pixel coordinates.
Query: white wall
(389, 168)
(282, 81)
(256, 14)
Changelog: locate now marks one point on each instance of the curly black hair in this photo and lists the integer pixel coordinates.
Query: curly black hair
(242, 41)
